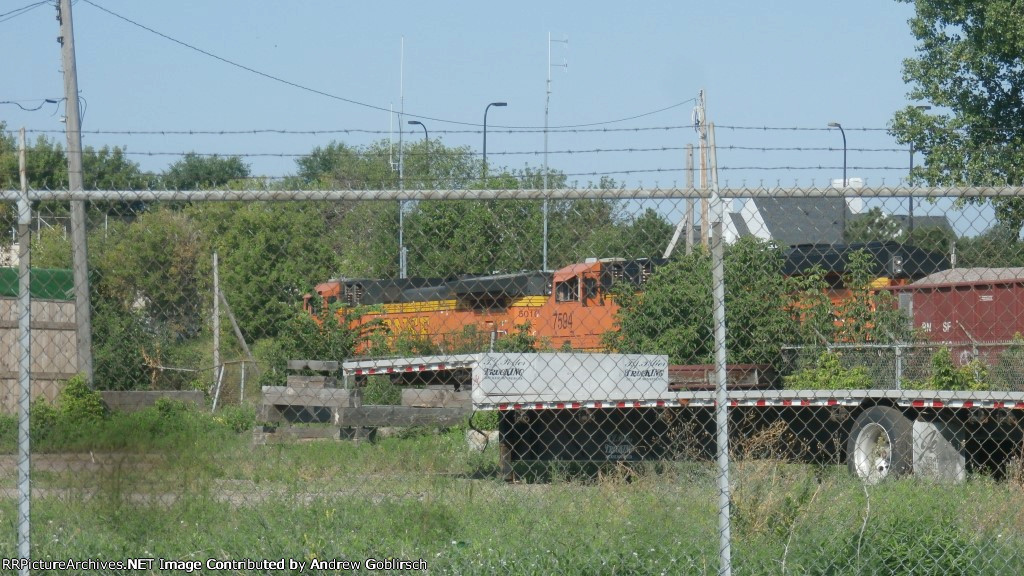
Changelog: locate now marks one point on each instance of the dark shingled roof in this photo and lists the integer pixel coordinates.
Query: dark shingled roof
(793, 221)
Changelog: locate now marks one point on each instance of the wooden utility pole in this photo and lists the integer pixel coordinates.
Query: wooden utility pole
(690, 204)
(79, 251)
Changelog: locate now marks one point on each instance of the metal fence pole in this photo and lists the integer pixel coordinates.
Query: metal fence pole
(721, 394)
(25, 363)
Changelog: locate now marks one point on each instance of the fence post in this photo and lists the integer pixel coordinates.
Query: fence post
(721, 394)
(24, 520)
(899, 366)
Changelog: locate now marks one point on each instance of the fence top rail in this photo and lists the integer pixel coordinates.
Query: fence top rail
(522, 194)
(905, 345)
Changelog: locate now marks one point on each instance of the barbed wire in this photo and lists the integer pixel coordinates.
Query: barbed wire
(277, 131)
(798, 128)
(423, 153)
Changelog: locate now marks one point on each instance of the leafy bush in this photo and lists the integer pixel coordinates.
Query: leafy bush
(43, 419)
(519, 341)
(946, 375)
(486, 420)
(8, 433)
(237, 418)
(326, 336)
(380, 390)
(828, 373)
(1008, 373)
(79, 404)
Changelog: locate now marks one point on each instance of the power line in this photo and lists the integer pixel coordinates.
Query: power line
(341, 98)
(19, 11)
(41, 104)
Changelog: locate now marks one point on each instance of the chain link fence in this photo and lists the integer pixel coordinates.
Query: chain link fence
(483, 381)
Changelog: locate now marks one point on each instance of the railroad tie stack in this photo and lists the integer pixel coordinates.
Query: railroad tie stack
(312, 396)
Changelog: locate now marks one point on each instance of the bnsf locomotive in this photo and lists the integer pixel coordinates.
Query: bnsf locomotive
(570, 308)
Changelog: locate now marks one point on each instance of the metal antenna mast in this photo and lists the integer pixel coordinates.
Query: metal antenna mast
(401, 163)
(547, 104)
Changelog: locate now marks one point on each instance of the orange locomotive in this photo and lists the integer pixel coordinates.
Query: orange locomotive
(572, 307)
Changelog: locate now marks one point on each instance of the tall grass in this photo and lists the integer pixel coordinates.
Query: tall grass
(183, 484)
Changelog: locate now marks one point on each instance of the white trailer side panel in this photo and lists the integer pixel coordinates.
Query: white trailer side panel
(564, 377)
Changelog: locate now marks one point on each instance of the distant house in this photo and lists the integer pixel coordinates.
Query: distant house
(797, 221)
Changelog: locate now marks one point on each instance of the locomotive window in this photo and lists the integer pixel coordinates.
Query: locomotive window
(313, 304)
(590, 288)
(353, 294)
(568, 291)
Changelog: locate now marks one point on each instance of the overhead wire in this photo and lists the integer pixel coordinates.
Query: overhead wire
(20, 11)
(42, 103)
(334, 96)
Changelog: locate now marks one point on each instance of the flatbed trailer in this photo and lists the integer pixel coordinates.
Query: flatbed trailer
(573, 407)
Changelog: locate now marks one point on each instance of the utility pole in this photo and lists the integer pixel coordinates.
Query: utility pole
(702, 130)
(79, 251)
(547, 102)
(690, 204)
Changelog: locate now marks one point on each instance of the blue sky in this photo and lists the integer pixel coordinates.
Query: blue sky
(796, 64)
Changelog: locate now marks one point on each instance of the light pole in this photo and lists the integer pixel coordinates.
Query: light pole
(910, 199)
(426, 139)
(485, 134)
(842, 233)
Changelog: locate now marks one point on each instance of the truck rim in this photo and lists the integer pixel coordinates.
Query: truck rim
(872, 453)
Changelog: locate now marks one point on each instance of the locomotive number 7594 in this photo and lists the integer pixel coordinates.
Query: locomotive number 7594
(563, 320)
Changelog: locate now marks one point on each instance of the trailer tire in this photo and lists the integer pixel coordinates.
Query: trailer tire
(881, 445)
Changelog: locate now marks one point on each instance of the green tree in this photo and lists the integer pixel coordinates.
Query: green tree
(969, 59)
(674, 316)
(46, 164)
(873, 226)
(195, 172)
(645, 236)
(996, 247)
(158, 264)
(271, 253)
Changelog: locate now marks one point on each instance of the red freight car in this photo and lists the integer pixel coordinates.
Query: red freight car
(967, 308)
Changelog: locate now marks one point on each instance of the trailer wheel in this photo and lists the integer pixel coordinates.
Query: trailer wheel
(880, 445)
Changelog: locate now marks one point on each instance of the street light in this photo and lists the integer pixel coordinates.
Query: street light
(910, 199)
(842, 233)
(485, 133)
(426, 138)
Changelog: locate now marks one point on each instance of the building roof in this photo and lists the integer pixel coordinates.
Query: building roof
(739, 224)
(792, 221)
(956, 276)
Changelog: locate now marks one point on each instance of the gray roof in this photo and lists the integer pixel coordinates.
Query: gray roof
(742, 230)
(970, 276)
(793, 221)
